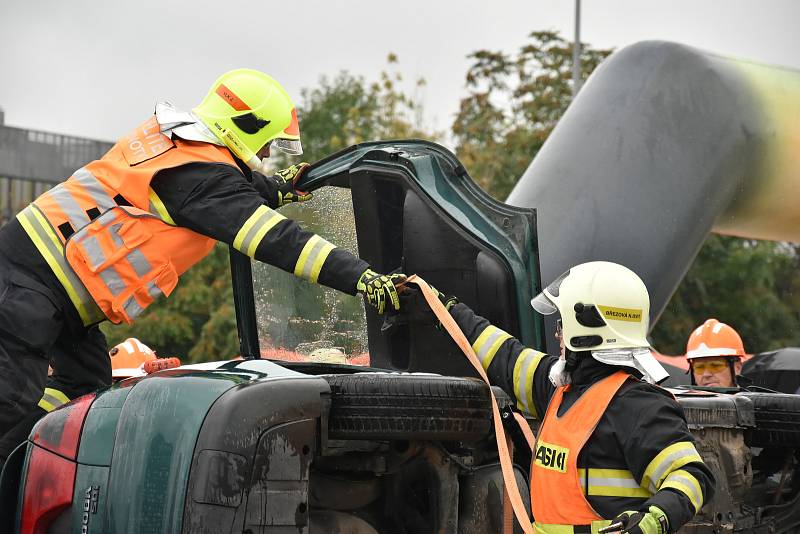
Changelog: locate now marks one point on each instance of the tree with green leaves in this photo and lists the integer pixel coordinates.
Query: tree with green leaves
(346, 109)
(514, 102)
(748, 284)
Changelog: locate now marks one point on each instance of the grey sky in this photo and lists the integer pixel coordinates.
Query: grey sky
(96, 68)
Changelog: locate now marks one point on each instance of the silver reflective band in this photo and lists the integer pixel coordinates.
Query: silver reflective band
(139, 263)
(312, 258)
(612, 482)
(256, 226)
(153, 290)
(94, 251)
(132, 307)
(690, 484)
(668, 462)
(95, 189)
(51, 400)
(66, 201)
(50, 247)
(135, 257)
(313, 255)
(529, 358)
(112, 280)
(77, 217)
(115, 237)
(486, 347)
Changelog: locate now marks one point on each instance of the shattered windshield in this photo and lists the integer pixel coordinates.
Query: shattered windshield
(309, 322)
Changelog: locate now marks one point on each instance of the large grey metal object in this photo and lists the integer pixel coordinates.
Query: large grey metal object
(663, 144)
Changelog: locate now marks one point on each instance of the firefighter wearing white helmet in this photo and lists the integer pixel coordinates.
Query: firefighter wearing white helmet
(611, 316)
(613, 451)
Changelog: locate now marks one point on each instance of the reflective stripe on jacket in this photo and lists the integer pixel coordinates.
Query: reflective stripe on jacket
(124, 257)
(107, 236)
(557, 495)
(640, 452)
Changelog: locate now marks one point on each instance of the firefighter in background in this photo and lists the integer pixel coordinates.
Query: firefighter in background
(613, 449)
(116, 235)
(128, 359)
(715, 352)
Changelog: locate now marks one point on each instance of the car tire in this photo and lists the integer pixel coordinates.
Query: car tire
(777, 420)
(398, 406)
(703, 410)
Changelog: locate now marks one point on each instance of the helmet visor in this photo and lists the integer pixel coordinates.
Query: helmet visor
(542, 302)
(293, 147)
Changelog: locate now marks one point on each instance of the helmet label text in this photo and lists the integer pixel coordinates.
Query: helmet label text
(613, 313)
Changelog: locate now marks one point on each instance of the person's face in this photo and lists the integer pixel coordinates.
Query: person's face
(560, 337)
(714, 372)
(264, 152)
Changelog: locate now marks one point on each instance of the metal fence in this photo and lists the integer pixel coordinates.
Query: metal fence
(32, 161)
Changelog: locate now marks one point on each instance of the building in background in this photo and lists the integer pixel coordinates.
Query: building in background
(32, 161)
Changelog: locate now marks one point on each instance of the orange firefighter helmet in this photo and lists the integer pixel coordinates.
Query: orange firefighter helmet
(713, 339)
(128, 358)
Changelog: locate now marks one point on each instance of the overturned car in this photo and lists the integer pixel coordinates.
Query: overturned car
(406, 445)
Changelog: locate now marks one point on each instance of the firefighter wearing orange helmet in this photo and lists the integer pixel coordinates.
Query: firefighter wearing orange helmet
(715, 352)
(128, 358)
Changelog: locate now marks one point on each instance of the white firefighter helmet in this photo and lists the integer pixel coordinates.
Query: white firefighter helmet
(605, 309)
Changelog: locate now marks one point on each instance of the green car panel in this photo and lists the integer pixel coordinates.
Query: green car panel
(155, 437)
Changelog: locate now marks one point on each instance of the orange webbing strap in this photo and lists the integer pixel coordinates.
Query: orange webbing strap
(449, 324)
(526, 430)
(508, 517)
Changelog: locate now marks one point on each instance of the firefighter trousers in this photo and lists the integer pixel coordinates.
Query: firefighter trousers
(39, 329)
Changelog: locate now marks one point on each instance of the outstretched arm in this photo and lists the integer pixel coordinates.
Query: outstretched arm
(216, 200)
(520, 371)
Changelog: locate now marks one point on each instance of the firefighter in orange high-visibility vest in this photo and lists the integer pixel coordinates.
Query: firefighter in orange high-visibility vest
(116, 236)
(613, 451)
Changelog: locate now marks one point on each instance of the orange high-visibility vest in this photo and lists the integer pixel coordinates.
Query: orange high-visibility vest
(557, 498)
(107, 236)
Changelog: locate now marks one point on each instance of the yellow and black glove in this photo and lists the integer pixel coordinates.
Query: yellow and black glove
(654, 521)
(285, 180)
(380, 289)
(448, 300)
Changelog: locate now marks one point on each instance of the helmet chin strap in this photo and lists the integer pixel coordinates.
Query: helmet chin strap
(732, 367)
(561, 372)
(558, 375)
